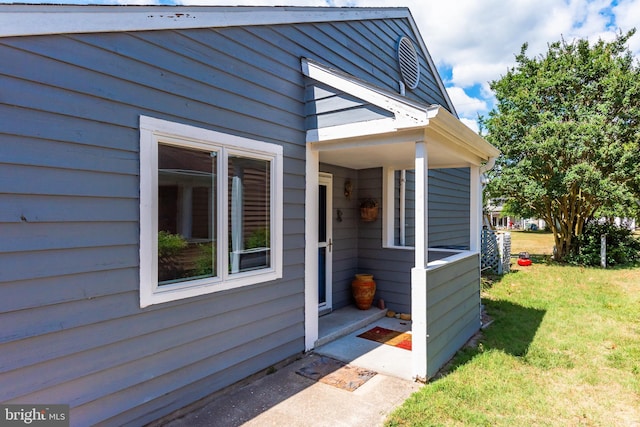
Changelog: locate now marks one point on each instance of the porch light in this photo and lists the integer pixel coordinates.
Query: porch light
(348, 189)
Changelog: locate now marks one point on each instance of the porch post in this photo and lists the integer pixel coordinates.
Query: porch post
(475, 206)
(419, 272)
(311, 249)
(422, 173)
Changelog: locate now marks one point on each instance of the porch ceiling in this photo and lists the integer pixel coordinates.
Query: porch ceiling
(396, 150)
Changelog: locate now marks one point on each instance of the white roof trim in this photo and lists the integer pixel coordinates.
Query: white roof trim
(445, 124)
(409, 115)
(405, 110)
(352, 130)
(23, 20)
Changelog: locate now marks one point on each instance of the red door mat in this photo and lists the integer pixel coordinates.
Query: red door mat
(389, 337)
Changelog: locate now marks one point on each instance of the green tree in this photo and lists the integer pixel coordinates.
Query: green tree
(568, 126)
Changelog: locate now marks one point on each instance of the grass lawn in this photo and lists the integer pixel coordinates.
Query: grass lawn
(537, 243)
(563, 350)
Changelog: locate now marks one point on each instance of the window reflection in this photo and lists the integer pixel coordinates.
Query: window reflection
(186, 214)
(249, 182)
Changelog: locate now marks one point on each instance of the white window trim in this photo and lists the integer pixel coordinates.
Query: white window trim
(154, 131)
(388, 208)
(388, 211)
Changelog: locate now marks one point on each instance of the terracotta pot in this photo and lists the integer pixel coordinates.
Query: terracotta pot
(363, 288)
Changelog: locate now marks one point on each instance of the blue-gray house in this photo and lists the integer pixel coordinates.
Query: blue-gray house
(180, 189)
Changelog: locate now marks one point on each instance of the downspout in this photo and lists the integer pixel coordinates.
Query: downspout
(483, 183)
(403, 183)
(476, 205)
(488, 166)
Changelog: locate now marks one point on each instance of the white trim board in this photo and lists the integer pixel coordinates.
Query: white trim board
(24, 20)
(407, 112)
(437, 123)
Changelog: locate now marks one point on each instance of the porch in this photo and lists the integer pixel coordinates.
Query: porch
(339, 339)
(453, 316)
(422, 166)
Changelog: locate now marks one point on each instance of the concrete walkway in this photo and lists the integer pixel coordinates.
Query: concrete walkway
(288, 398)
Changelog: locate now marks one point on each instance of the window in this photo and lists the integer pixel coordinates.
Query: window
(400, 208)
(210, 211)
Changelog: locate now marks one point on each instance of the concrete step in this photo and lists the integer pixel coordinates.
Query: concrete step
(344, 321)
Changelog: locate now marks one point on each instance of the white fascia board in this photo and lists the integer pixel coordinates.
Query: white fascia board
(453, 130)
(369, 141)
(408, 115)
(24, 20)
(353, 130)
(407, 112)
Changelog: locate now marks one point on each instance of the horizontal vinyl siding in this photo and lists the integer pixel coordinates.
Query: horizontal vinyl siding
(271, 354)
(453, 309)
(132, 75)
(71, 324)
(370, 49)
(63, 262)
(327, 107)
(428, 89)
(448, 227)
(391, 267)
(132, 366)
(38, 292)
(40, 236)
(449, 209)
(21, 208)
(219, 312)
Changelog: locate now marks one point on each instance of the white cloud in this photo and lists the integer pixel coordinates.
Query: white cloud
(628, 17)
(482, 38)
(471, 124)
(467, 73)
(478, 40)
(466, 105)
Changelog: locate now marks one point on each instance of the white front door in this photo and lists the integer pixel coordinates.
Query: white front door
(325, 242)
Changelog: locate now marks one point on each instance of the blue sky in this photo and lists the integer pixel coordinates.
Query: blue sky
(475, 41)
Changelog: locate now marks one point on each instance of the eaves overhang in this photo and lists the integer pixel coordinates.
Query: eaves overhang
(27, 20)
(390, 141)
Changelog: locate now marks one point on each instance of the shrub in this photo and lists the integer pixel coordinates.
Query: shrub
(170, 245)
(169, 248)
(258, 239)
(205, 260)
(622, 247)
